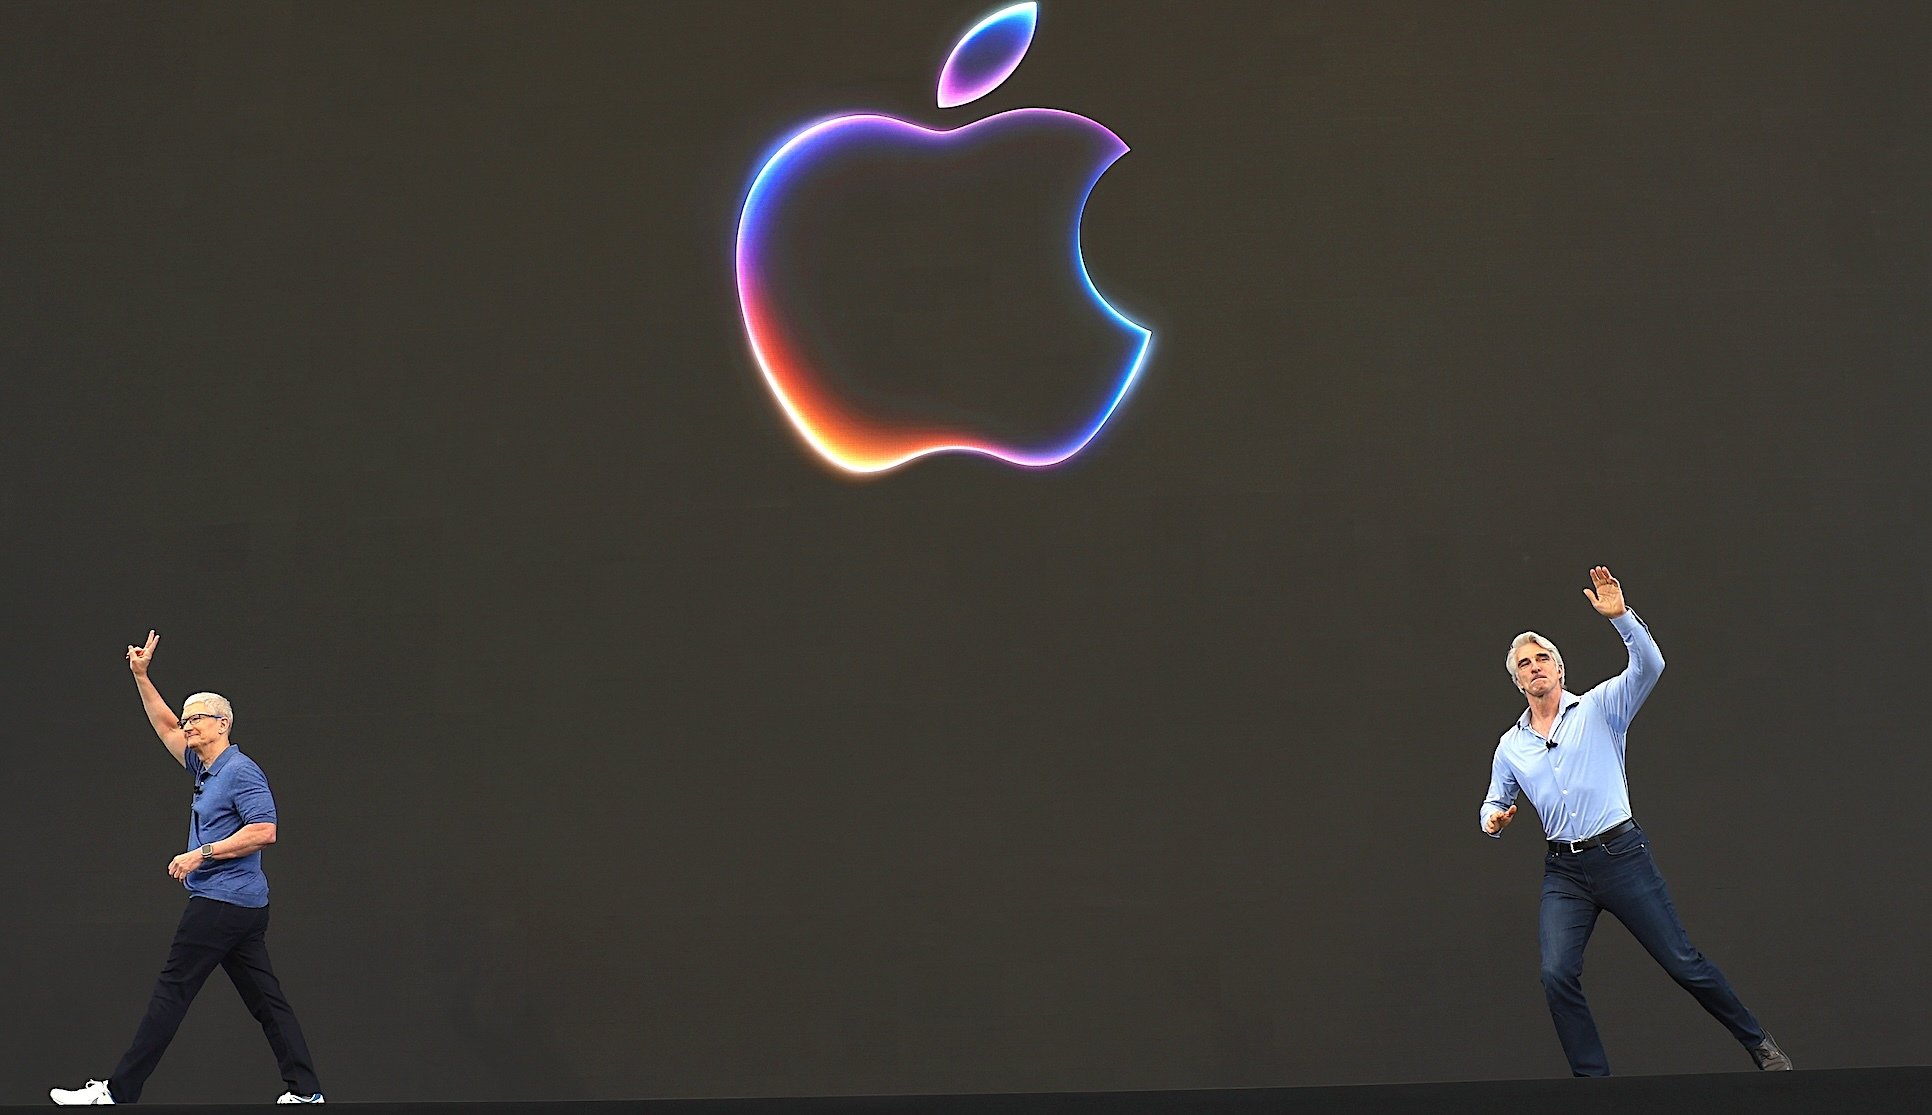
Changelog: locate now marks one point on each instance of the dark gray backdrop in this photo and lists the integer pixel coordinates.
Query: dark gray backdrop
(386, 359)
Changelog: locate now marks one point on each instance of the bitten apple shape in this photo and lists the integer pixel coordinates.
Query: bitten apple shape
(838, 428)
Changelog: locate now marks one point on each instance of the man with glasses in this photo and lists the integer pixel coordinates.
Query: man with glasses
(232, 820)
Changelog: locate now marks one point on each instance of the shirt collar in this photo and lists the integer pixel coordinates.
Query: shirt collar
(1566, 704)
(209, 768)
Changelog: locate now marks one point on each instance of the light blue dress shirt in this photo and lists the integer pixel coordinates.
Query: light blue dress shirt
(1578, 786)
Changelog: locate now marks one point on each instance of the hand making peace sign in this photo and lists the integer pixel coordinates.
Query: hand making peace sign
(138, 658)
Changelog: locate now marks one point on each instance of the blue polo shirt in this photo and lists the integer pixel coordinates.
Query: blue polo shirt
(229, 794)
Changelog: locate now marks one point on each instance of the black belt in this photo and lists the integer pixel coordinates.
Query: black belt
(1604, 837)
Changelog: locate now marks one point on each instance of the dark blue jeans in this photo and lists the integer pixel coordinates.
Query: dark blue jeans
(1620, 877)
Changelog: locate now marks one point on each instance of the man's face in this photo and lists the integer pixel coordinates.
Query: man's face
(201, 724)
(1537, 671)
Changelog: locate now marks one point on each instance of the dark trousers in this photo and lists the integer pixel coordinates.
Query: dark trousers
(214, 934)
(1620, 877)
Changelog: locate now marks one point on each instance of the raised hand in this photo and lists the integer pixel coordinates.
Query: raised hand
(1497, 822)
(138, 658)
(1608, 597)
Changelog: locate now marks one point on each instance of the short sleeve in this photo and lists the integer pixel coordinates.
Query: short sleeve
(253, 801)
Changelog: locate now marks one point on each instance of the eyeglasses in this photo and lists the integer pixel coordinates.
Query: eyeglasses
(187, 720)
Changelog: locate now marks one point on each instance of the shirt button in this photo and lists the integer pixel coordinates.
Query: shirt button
(1572, 812)
(1566, 791)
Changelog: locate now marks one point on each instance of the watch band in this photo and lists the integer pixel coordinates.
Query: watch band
(207, 852)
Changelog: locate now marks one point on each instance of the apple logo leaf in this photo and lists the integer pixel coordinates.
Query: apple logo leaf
(987, 55)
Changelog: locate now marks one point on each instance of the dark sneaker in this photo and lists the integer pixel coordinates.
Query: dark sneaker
(1769, 1057)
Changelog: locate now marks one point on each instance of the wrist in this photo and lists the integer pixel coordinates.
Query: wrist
(207, 853)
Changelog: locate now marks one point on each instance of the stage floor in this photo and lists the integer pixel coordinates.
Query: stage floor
(1744, 1093)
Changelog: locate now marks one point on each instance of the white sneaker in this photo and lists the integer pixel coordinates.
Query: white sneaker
(291, 1097)
(95, 1092)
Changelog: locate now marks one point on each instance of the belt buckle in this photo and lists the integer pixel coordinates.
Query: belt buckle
(1574, 850)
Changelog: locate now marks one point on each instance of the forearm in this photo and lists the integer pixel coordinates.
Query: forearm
(1646, 658)
(247, 840)
(159, 714)
(1500, 796)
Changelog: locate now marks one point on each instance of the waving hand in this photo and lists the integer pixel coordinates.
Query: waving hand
(1608, 597)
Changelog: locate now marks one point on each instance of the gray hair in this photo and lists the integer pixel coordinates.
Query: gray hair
(215, 701)
(1509, 662)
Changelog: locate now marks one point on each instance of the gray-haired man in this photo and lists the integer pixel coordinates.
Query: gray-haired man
(1566, 753)
(224, 926)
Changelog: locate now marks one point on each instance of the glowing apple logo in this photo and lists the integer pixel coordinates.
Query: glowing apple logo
(858, 431)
